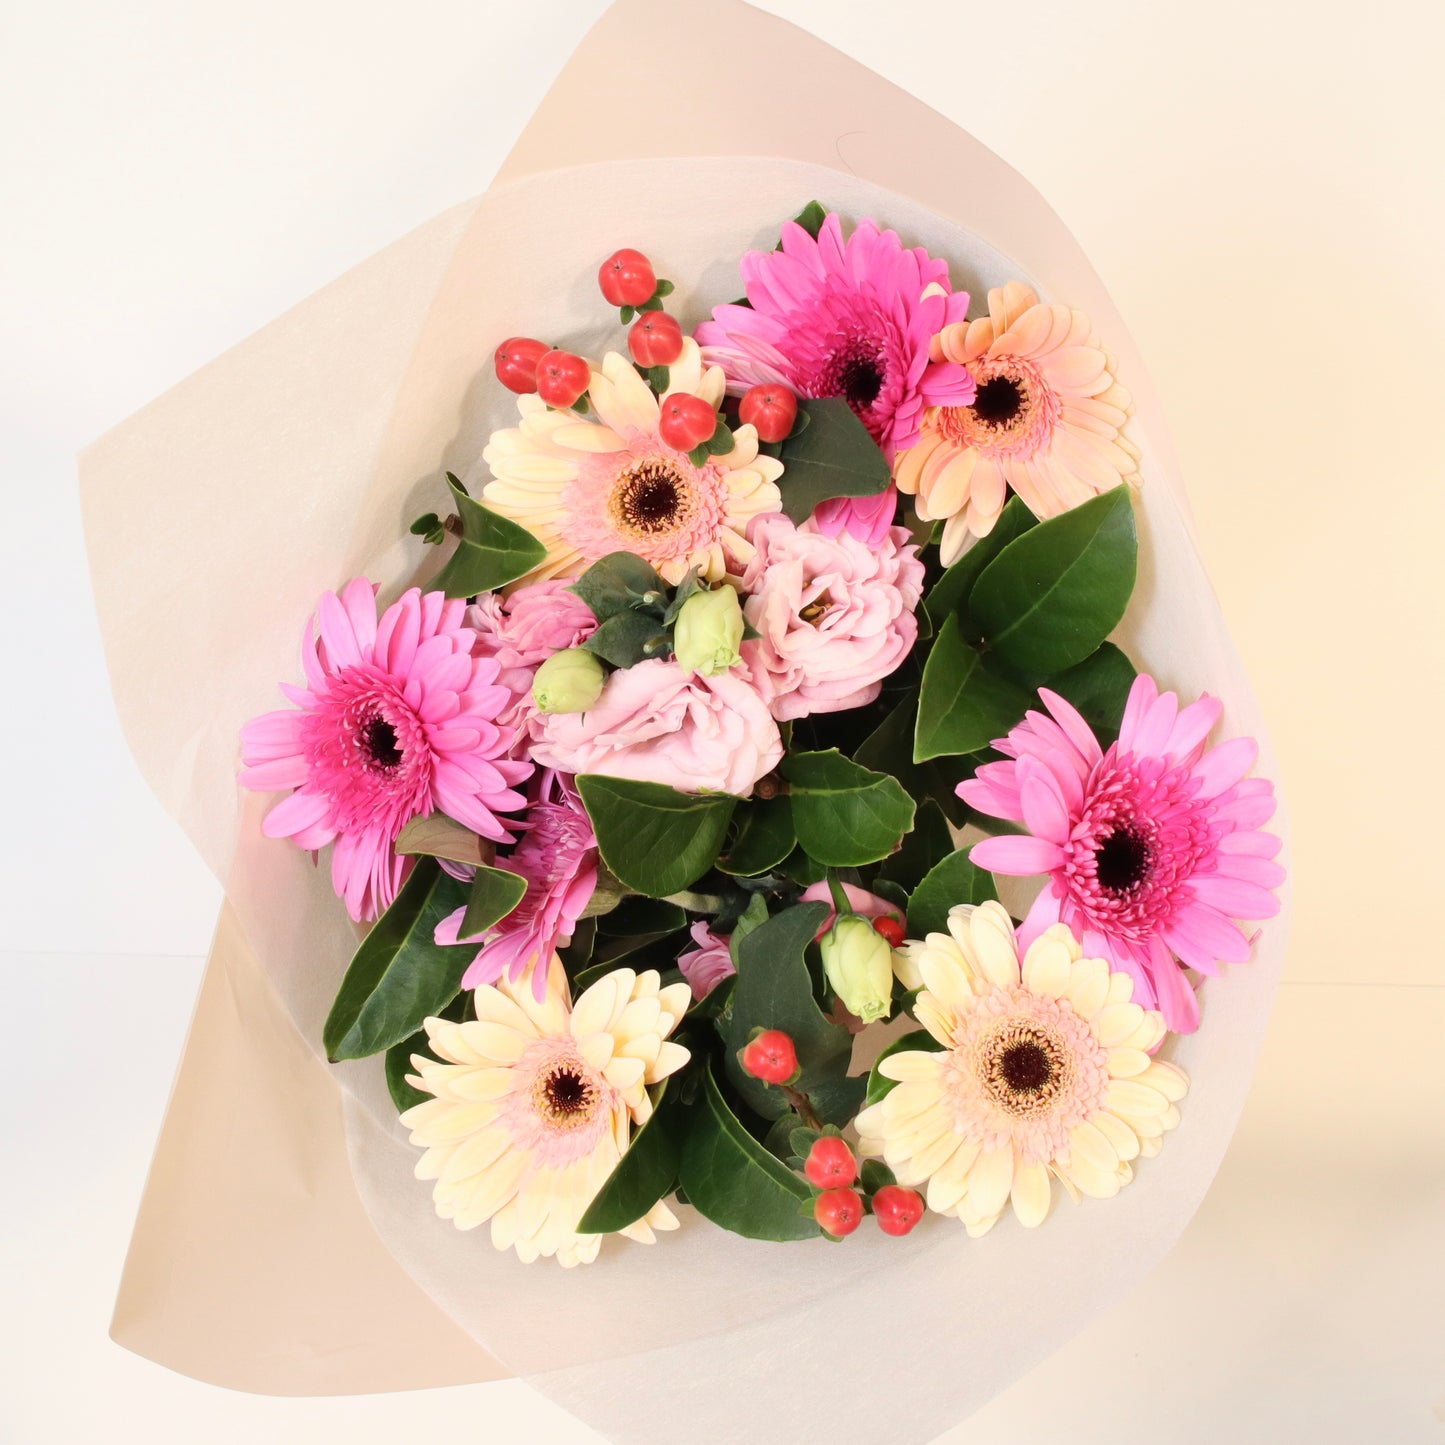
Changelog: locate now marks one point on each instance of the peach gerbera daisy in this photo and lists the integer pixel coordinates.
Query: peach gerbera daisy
(586, 488)
(535, 1102)
(1044, 1072)
(1046, 420)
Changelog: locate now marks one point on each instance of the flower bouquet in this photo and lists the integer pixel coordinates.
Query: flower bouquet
(764, 754)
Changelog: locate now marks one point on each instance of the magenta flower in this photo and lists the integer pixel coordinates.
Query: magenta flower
(707, 965)
(1151, 848)
(397, 720)
(834, 615)
(853, 318)
(557, 855)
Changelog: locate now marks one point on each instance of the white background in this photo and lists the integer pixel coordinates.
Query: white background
(1260, 189)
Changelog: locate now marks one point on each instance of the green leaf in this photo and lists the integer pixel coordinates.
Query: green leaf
(721, 440)
(654, 839)
(664, 288)
(832, 457)
(437, 836)
(952, 591)
(875, 1174)
(803, 870)
(953, 881)
(811, 219)
(1099, 687)
(889, 749)
(763, 837)
(644, 1174)
(495, 893)
(879, 1086)
(774, 990)
(753, 916)
(634, 916)
(1053, 595)
(964, 702)
(399, 976)
(491, 551)
(731, 1179)
(929, 842)
(627, 638)
(844, 814)
(398, 1066)
(617, 583)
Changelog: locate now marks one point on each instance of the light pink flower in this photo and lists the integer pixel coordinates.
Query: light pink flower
(860, 900)
(835, 615)
(522, 631)
(1151, 848)
(707, 965)
(397, 720)
(696, 734)
(852, 318)
(557, 855)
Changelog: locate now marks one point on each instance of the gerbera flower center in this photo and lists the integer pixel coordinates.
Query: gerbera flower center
(861, 380)
(1025, 1067)
(378, 738)
(997, 400)
(1122, 860)
(565, 1095)
(650, 498)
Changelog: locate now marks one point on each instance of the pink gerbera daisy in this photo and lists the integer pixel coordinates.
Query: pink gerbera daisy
(1151, 848)
(854, 318)
(557, 855)
(397, 720)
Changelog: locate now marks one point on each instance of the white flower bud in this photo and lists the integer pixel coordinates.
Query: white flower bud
(708, 632)
(569, 681)
(859, 965)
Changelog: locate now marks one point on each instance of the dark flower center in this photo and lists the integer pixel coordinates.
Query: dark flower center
(567, 1092)
(1026, 1067)
(1121, 861)
(860, 381)
(997, 400)
(650, 498)
(379, 739)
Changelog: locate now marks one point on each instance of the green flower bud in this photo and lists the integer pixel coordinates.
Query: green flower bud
(859, 965)
(708, 630)
(569, 681)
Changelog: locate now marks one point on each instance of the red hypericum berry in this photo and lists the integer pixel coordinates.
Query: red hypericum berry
(771, 1057)
(687, 421)
(516, 361)
(627, 278)
(897, 1209)
(771, 408)
(890, 930)
(839, 1211)
(830, 1163)
(562, 377)
(655, 339)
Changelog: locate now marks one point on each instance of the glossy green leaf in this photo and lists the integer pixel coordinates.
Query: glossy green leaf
(731, 1179)
(617, 583)
(928, 843)
(952, 591)
(964, 702)
(1099, 687)
(635, 915)
(437, 836)
(627, 638)
(845, 815)
(833, 456)
(774, 990)
(889, 749)
(644, 1174)
(879, 1086)
(1053, 595)
(953, 881)
(399, 976)
(495, 892)
(491, 551)
(654, 839)
(398, 1066)
(763, 837)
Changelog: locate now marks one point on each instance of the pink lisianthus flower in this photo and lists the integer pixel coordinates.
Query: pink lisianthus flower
(1151, 848)
(860, 900)
(696, 734)
(397, 719)
(707, 965)
(855, 319)
(557, 855)
(835, 615)
(523, 630)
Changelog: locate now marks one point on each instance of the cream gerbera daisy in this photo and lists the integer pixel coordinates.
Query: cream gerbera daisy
(587, 488)
(534, 1105)
(1046, 419)
(1045, 1070)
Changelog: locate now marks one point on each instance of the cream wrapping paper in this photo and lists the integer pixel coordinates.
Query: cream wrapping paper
(295, 462)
